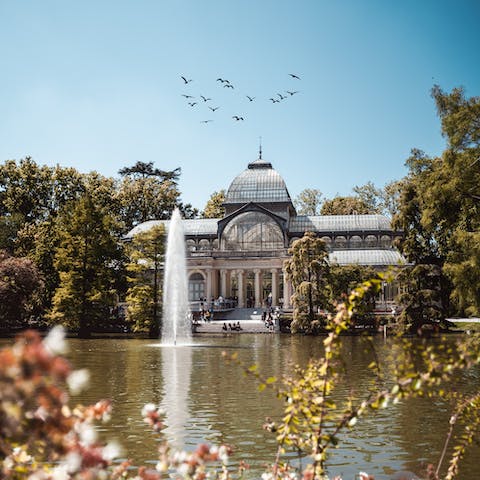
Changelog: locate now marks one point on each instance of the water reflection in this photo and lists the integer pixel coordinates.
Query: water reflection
(176, 372)
(208, 400)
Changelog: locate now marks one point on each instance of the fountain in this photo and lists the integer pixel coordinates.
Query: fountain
(176, 325)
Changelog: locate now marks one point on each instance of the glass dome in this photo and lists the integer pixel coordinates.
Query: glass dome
(258, 183)
(252, 231)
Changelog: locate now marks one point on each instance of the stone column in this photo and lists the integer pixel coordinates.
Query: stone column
(287, 293)
(209, 286)
(215, 283)
(258, 295)
(223, 283)
(274, 287)
(240, 293)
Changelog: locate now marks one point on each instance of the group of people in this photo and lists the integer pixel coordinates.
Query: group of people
(268, 318)
(235, 326)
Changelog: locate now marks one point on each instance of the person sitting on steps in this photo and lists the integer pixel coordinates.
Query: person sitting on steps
(224, 326)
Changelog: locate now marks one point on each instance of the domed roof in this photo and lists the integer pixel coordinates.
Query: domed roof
(258, 183)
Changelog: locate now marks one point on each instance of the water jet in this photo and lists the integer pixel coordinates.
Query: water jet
(176, 322)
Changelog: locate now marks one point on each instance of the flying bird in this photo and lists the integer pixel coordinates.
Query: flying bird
(237, 118)
(251, 98)
(192, 104)
(274, 100)
(206, 121)
(294, 76)
(187, 96)
(205, 99)
(213, 108)
(222, 80)
(281, 96)
(292, 93)
(228, 85)
(185, 80)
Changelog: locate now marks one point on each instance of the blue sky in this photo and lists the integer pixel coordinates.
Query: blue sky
(96, 85)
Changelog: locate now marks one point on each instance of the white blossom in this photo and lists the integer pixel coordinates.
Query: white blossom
(87, 433)
(55, 342)
(111, 451)
(60, 473)
(78, 380)
(72, 462)
(148, 408)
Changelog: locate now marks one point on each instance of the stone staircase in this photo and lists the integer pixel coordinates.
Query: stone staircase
(239, 314)
(250, 320)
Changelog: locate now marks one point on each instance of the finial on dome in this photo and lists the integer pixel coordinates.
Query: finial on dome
(260, 149)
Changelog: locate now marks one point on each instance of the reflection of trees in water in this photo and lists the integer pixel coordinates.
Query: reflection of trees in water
(422, 425)
(128, 373)
(216, 403)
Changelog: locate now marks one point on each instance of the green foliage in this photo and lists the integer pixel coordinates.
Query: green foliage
(380, 200)
(342, 279)
(308, 202)
(345, 206)
(421, 297)
(148, 193)
(440, 202)
(86, 258)
(313, 422)
(463, 268)
(214, 206)
(146, 252)
(308, 269)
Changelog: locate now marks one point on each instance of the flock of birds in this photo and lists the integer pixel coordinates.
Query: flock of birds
(193, 101)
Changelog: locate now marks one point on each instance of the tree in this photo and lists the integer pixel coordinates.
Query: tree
(308, 202)
(440, 201)
(452, 203)
(214, 206)
(145, 169)
(425, 290)
(391, 197)
(144, 295)
(148, 193)
(88, 260)
(24, 188)
(20, 283)
(371, 196)
(344, 278)
(308, 270)
(344, 206)
(421, 297)
(187, 210)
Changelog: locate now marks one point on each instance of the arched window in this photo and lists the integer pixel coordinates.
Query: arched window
(196, 287)
(252, 231)
(356, 241)
(371, 241)
(340, 242)
(191, 246)
(204, 244)
(385, 241)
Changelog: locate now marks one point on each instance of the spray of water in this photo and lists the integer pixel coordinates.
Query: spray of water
(176, 323)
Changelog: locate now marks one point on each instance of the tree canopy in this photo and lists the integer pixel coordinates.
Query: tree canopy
(439, 208)
(214, 206)
(309, 201)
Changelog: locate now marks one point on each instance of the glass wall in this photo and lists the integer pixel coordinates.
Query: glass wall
(252, 231)
(196, 287)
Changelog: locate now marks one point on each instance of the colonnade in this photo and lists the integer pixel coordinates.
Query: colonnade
(233, 282)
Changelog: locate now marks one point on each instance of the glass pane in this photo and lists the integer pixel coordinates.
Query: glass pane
(252, 231)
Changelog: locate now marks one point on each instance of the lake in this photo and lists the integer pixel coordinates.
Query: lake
(209, 400)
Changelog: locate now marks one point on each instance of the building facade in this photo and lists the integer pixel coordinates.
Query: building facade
(240, 257)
